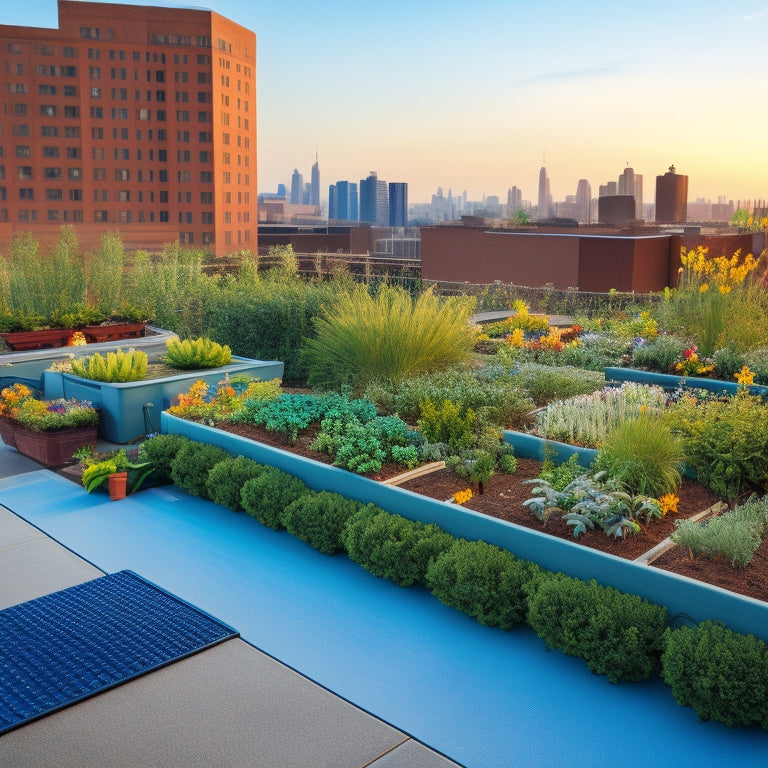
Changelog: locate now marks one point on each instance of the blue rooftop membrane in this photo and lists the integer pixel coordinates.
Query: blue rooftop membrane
(483, 697)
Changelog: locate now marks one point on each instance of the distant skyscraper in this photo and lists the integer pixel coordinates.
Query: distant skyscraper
(342, 201)
(374, 200)
(584, 201)
(398, 204)
(314, 195)
(281, 190)
(543, 208)
(297, 187)
(514, 200)
(671, 197)
(631, 183)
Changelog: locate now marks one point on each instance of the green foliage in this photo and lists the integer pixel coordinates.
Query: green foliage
(490, 392)
(393, 547)
(51, 415)
(105, 274)
(734, 536)
(559, 475)
(193, 462)
(590, 502)
(160, 451)
(660, 354)
(728, 361)
(226, 479)
(197, 353)
(723, 675)
(360, 339)
(446, 424)
(544, 383)
(642, 456)
(593, 353)
(119, 366)
(757, 360)
(319, 519)
(725, 441)
(266, 496)
(617, 634)
(286, 414)
(364, 446)
(483, 581)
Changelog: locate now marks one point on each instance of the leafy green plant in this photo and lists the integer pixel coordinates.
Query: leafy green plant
(446, 424)
(266, 496)
(725, 441)
(361, 339)
(722, 674)
(728, 361)
(544, 383)
(757, 360)
(227, 477)
(98, 468)
(559, 475)
(393, 547)
(52, 415)
(735, 536)
(193, 462)
(484, 581)
(197, 353)
(319, 519)
(160, 451)
(617, 634)
(642, 456)
(660, 354)
(116, 367)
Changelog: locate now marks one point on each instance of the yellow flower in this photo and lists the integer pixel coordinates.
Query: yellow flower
(669, 503)
(704, 287)
(461, 497)
(517, 339)
(745, 376)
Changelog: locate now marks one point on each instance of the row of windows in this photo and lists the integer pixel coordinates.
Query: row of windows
(44, 50)
(124, 196)
(26, 173)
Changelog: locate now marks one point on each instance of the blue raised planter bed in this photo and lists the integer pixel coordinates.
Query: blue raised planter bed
(533, 447)
(681, 595)
(132, 409)
(668, 381)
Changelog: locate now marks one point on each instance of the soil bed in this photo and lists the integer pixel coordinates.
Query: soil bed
(504, 495)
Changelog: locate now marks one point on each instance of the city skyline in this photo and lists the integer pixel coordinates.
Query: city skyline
(480, 100)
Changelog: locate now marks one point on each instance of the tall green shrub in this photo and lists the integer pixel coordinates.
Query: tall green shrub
(266, 496)
(160, 451)
(617, 634)
(190, 468)
(484, 581)
(723, 675)
(319, 519)
(226, 479)
(393, 547)
(360, 339)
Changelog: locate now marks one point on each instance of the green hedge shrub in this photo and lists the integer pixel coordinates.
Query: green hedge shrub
(189, 470)
(483, 581)
(723, 675)
(160, 451)
(226, 479)
(393, 547)
(266, 496)
(319, 519)
(617, 634)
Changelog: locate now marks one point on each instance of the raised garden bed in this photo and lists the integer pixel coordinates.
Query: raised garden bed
(47, 338)
(554, 552)
(671, 382)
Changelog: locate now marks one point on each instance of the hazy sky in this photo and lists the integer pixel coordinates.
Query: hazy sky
(473, 96)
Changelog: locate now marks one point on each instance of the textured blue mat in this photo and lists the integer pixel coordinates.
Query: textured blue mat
(69, 645)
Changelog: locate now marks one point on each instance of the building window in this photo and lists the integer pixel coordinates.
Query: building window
(206, 177)
(100, 196)
(164, 216)
(145, 114)
(124, 217)
(162, 176)
(24, 172)
(70, 90)
(97, 153)
(99, 174)
(205, 137)
(24, 150)
(182, 115)
(122, 174)
(48, 151)
(48, 110)
(75, 195)
(206, 198)
(15, 48)
(204, 156)
(51, 173)
(70, 110)
(46, 90)
(97, 113)
(75, 174)
(19, 110)
(53, 215)
(26, 193)
(95, 74)
(94, 53)
(73, 153)
(159, 76)
(203, 117)
(97, 132)
(72, 131)
(100, 216)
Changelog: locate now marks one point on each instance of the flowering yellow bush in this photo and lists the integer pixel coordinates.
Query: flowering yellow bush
(698, 271)
(198, 404)
(745, 377)
(462, 497)
(12, 397)
(669, 503)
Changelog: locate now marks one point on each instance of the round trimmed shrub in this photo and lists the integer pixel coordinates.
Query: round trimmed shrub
(722, 674)
(393, 547)
(226, 479)
(160, 451)
(319, 519)
(483, 581)
(193, 462)
(617, 634)
(266, 496)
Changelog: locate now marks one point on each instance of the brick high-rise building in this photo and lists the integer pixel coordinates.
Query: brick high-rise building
(134, 119)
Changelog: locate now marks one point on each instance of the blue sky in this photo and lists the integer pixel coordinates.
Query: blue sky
(473, 96)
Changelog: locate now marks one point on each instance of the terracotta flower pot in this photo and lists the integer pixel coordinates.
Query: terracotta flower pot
(118, 482)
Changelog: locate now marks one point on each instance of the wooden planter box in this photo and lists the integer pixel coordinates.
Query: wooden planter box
(19, 341)
(54, 447)
(7, 434)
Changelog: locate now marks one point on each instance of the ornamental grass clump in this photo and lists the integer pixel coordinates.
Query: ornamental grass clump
(191, 354)
(361, 339)
(116, 367)
(642, 456)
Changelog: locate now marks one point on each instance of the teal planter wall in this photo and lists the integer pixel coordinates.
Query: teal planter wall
(133, 409)
(669, 381)
(532, 447)
(681, 595)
